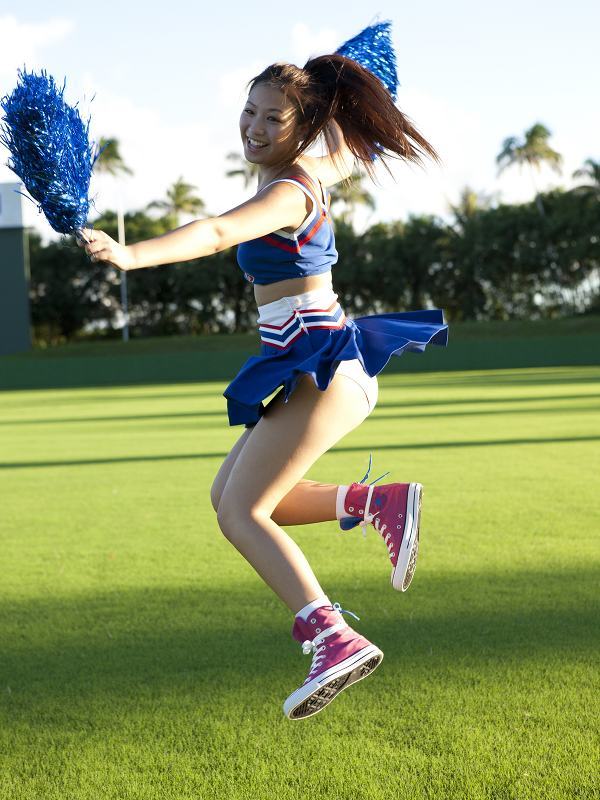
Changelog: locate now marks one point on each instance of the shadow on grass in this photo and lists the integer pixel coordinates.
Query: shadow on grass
(503, 377)
(217, 640)
(501, 401)
(83, 462)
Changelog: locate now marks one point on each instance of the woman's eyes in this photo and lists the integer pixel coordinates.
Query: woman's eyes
(250, 111)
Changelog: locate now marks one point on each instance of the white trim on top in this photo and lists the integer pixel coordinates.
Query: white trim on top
(293, 236)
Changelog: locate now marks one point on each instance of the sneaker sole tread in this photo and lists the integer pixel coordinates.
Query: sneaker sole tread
(316, 700)
(402, 573)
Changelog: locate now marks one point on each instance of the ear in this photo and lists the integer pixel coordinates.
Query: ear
(303, 130)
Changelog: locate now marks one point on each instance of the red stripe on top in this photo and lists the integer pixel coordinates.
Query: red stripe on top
(303, 237)
(306, 237)
(281, 245)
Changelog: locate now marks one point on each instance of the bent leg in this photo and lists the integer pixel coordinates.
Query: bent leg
(281, 448)
(306, 502)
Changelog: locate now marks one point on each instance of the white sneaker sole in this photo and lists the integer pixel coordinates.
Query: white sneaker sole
(314, 696)
(402, 573)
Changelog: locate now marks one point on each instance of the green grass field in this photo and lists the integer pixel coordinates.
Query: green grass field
(141, 657)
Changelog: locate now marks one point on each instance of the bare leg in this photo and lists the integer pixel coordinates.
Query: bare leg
(306, 502)
(273, 459)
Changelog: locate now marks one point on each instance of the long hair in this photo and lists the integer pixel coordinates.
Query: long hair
(333, 87)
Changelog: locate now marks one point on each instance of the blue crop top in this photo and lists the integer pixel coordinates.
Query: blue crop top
(309, 250)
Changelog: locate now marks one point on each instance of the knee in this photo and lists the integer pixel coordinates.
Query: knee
(236, 518)
(230, 518)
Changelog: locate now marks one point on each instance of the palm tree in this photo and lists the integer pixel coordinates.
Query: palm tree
(591, 171)
(533, 151)
(110, 162)
(469, 204)
(245, 169)
(351, 193)
(180, 200)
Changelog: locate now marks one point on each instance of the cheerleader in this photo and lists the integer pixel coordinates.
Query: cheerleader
(321, 363)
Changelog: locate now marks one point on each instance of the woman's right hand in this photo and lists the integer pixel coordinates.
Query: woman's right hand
(100, 247)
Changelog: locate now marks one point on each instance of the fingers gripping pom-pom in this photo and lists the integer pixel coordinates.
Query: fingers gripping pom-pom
(49, 149)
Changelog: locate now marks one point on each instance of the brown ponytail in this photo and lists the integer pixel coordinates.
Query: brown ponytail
(333, 87)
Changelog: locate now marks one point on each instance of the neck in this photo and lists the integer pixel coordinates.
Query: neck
(268, 174)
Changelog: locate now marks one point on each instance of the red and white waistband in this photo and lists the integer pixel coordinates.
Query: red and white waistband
(281, 322)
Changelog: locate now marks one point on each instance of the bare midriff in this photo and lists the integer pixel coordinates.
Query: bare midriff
(291, 286)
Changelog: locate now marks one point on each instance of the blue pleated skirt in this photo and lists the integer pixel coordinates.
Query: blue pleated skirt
(312, 338)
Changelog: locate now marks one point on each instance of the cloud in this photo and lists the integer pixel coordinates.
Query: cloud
(306, 43)
(159, 150)
(468, 143)
(21, 42)
(232, 84)
(456, 134)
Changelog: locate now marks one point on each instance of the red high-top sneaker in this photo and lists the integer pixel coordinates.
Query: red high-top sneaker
(341, 657)
(394, 510)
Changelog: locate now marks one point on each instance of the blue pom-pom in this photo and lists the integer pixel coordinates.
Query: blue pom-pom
(372, 48)
(49, 149)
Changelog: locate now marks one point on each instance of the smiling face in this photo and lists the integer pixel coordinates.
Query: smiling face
(268, 126)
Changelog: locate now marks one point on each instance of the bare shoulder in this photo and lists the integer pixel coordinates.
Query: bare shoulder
(327, 169)
(276, 206)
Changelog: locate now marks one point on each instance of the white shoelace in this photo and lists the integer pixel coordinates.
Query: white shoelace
(372, 518)
(317, 647)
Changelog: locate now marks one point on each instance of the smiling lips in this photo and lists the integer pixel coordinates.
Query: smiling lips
(254, 144)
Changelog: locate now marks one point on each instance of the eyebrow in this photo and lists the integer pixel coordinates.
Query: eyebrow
(268, 109)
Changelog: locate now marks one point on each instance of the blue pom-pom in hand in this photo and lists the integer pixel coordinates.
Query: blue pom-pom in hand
(49, 149)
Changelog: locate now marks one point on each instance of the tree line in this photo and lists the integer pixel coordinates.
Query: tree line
(490, 261)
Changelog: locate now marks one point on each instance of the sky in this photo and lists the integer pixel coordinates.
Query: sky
(168, 81)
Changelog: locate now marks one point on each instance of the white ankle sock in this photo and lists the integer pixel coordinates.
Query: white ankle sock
(309, 607)
(340, 512)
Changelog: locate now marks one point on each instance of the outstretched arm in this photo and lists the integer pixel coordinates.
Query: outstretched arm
(278, 206)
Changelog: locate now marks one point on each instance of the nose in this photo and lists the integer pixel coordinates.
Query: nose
(256, 126)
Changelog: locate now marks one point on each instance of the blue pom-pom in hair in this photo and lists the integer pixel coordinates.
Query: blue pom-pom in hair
(372, 48)
(49, 149)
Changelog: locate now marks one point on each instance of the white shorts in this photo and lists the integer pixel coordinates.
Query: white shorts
(353, 370)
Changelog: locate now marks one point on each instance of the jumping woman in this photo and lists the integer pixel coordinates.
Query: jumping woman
(323, 363)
